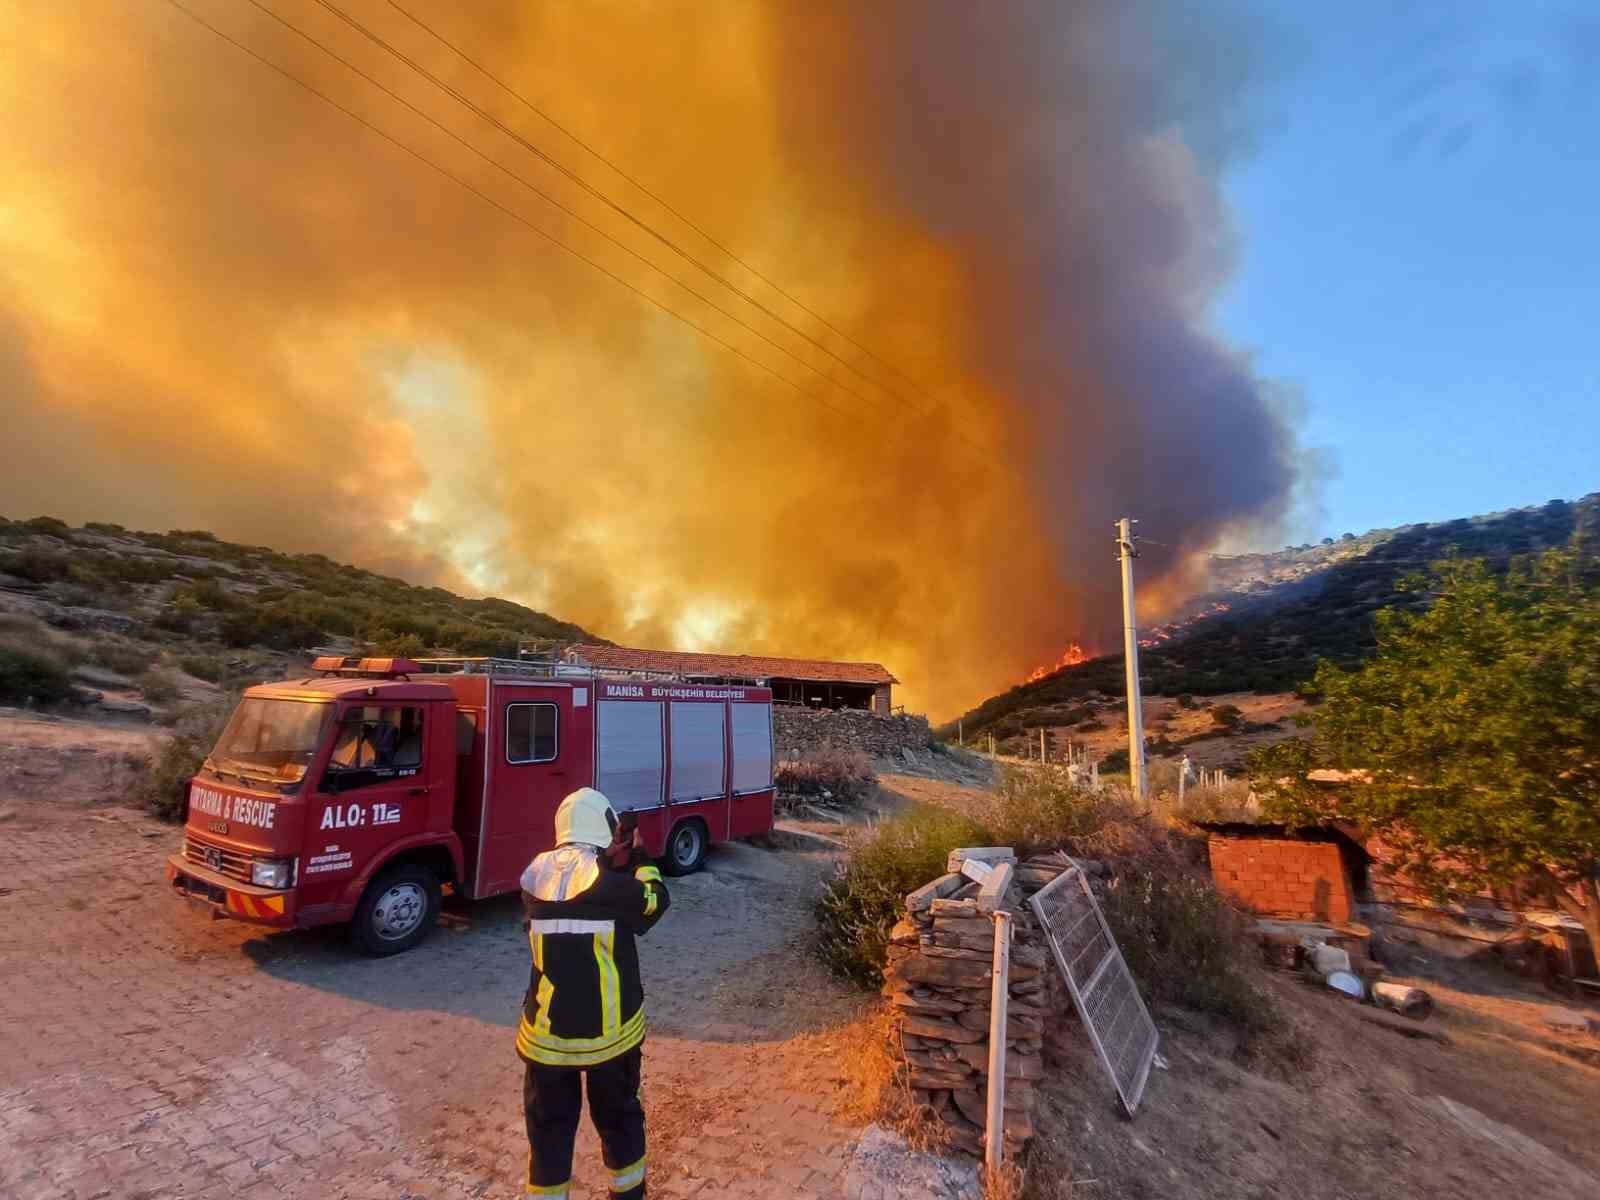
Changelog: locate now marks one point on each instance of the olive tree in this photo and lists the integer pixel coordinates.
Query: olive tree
(1471, 740)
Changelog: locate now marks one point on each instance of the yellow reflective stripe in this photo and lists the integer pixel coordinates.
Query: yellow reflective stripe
(627, 1177)
(610, 984)
(550, 1189)
(547, 990)
(647, 874)
(650, 900)
(578, 1052)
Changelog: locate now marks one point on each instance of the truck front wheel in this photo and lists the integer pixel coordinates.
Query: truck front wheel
(396, 911)
(686, 848)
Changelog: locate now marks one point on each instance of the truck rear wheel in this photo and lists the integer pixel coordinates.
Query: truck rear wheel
(396, 911)
(686, 848)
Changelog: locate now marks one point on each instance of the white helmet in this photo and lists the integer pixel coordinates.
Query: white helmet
(585, 817)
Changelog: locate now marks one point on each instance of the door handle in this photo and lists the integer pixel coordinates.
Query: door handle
(417, 791)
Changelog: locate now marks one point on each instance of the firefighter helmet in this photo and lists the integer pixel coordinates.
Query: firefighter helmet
(585, 817)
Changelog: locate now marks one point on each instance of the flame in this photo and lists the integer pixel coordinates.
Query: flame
(1070, 657)
(1157, 634)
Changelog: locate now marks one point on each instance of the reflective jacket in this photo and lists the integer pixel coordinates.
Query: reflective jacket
(585, 1003)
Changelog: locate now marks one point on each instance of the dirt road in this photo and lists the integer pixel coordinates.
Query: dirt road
(146, 1051)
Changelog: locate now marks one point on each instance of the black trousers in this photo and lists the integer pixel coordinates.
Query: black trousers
(552, 1100)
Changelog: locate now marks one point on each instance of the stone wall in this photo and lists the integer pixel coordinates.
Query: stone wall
(939, 978)
(802, 731)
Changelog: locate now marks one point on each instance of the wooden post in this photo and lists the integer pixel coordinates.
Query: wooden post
(1041, 745)
(961, 732)
(1000, 989)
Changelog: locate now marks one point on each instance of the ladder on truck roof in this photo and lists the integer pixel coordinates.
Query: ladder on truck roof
(522, 668)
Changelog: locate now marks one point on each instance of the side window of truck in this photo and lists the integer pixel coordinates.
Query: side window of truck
(531, 733)
(375, 743)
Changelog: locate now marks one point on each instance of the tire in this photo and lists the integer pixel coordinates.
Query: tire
(396, 911)
(686, 847)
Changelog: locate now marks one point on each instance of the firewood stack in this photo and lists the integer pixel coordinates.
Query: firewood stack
(939, 977)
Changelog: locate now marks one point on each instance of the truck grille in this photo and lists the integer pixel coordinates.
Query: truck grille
(235, 864)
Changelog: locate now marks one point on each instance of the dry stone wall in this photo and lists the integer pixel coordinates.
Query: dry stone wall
(800, 732)
(939, 977)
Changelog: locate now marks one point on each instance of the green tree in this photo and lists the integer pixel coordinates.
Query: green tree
(1472, 737)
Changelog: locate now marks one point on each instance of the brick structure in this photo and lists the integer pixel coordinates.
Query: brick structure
(1283, 877)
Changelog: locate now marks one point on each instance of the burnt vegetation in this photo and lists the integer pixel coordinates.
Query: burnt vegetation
(1289, 611)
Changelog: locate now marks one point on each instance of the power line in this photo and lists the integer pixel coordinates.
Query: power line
(492, 202)
(468, 103)
(546, 197)
(587, 148)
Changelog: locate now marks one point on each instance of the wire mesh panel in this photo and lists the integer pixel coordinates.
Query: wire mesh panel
(1103, 991)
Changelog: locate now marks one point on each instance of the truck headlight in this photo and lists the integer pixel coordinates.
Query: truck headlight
(273, 873)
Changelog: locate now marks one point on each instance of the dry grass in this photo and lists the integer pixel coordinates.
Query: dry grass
(1002, 1182)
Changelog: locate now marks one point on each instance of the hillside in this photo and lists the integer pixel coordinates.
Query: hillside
(145, 619)
(1270, 617)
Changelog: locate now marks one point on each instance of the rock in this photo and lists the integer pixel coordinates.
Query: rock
(908, 756)
(86, 696)
(983, 854)
(935, 1079)
(131, 708)
(953, 908)
(930, 893)
(1569, 1020)
(931, 1005)
(985, 956)
(976, 1018)
(101, 678)
(904, 932)
(939, 1029)
(883, 1165)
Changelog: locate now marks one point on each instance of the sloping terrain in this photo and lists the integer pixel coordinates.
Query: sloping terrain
(143, 620)
(1270, 617)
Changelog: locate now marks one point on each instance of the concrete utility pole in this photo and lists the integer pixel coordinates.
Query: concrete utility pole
(1126, 553)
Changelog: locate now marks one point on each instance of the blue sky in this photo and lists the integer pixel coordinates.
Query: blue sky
(1420, 232)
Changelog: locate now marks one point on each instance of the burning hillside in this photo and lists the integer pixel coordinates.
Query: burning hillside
(1070, 657)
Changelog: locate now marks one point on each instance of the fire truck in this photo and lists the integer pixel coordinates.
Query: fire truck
(364, 790)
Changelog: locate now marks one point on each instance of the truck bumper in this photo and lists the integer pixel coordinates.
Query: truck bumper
(223, 896)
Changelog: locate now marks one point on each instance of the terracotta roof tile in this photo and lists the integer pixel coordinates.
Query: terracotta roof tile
(733, 666)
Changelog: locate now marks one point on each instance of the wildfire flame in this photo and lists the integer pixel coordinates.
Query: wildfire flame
(1070, 657)
(1157, 634)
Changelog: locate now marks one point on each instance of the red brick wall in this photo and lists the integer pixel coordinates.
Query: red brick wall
(1275, 877)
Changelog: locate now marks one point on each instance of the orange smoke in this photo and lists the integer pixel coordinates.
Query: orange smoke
(225, 304)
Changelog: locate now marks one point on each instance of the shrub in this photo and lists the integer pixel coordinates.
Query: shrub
(859, 907)
(832, 774)
(38, 565)
(1184, 942)
(274, 627)
(158, 687)
(1226, 716)
(1038, 810)
(31, 674)
(203, 666)
(160, 785)
(124, 658)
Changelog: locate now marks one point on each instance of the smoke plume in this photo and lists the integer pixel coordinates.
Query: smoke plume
(225, 304)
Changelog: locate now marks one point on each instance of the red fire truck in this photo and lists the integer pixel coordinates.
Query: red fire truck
(360, 792)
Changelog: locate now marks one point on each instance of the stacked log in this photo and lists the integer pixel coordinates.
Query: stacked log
(939, 978)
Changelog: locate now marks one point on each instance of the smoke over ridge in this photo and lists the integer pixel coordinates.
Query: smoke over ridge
(224, 304)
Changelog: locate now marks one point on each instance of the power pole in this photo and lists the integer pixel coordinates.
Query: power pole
(1126, 553)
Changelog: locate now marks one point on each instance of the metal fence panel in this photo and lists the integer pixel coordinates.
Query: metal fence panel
(1103, 990)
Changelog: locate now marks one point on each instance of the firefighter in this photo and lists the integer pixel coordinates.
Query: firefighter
(583, 1017)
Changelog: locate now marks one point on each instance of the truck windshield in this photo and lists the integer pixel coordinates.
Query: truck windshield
(270, 740)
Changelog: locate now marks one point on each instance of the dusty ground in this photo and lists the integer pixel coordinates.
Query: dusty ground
(147, 1051)
(1374, 1114)
(1162, 716)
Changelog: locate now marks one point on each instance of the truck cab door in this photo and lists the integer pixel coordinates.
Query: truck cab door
(374, 789)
